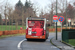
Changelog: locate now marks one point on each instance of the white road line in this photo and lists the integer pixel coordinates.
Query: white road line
(19, 44)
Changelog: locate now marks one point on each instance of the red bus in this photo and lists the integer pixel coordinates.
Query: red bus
(36, 28)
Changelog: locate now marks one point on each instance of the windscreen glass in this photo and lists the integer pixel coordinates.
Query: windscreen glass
(35, 23)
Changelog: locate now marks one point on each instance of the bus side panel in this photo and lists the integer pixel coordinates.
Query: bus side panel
(47, 33)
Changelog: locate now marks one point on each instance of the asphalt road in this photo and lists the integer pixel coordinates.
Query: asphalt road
(11, 43)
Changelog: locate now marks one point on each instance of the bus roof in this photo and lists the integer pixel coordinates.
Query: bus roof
(35, 18)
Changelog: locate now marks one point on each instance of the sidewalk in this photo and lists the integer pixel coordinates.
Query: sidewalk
(61, 45)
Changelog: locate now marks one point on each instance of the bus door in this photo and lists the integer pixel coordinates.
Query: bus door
(36, 27)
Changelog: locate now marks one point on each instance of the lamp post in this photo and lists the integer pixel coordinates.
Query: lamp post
(56, 22)
(66, 14)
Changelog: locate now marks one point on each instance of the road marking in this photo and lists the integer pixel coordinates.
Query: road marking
(19, 44)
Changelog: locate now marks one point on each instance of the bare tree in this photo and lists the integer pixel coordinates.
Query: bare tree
(51, 11)
(0, 21)
(16, 17)
(10, 10)
(22, 18)
(12, 20)
(5, 17)
(41, 13)
(62, 6)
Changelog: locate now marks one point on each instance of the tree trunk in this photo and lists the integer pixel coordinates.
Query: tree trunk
(9, 22)
(1, 25)
(6, 21)
(12, 23)
(22, 19)
(16, 25)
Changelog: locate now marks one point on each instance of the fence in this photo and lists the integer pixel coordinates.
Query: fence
(12, 32)
(68, 34)
(53, 29)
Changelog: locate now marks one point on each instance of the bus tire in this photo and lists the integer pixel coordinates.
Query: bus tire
(28, 39)
(44, 39)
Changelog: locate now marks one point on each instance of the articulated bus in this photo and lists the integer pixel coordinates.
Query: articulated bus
(36, 28)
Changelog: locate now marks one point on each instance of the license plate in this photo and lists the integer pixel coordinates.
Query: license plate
(33, 32)
(35, 36)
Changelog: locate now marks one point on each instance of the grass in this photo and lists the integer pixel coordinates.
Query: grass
(72, 42)
(4, 36)
(3, 28)
(51, 27)
(54, 27)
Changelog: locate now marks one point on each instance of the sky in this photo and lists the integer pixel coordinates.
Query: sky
(41, 4)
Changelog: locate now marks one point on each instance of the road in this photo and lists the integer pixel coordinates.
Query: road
(11, 43)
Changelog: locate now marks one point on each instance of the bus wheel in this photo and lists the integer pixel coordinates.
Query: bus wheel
(44, 39)
(28, 39)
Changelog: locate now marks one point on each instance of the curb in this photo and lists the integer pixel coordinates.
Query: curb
(68, 44)
(54, 44)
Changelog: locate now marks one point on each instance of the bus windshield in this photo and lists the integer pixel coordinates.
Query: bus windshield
(35, 23)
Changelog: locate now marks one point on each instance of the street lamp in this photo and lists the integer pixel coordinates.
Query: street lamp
(56, 22)
(66, 14)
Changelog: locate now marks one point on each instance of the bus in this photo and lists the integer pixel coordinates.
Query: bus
(36, 28)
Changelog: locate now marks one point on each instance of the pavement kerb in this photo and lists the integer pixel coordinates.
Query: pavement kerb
(54, 44)
(68, 44)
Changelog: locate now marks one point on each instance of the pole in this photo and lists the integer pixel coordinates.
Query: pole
(56, 22)
(56, 30)
(66, 14)
(69, 25)
(61, 31)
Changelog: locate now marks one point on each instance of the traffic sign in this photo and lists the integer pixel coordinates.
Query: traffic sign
(55, 17)
(61, 19)
(69, 19)
(55, 20)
